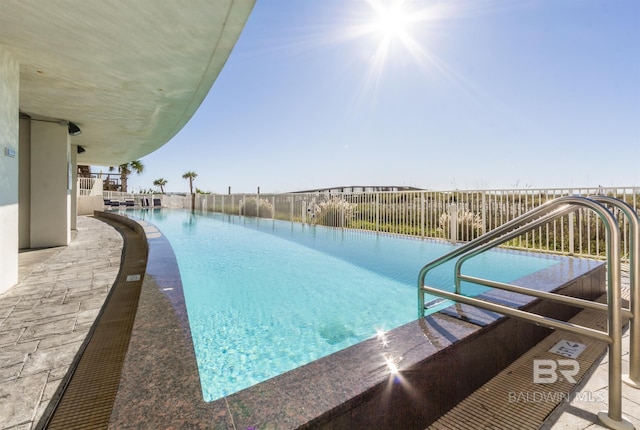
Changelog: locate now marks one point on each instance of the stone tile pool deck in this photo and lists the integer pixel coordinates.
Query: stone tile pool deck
(41, 329)
(45, 319)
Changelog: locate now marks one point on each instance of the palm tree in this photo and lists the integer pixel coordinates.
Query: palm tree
(125, 170)
(161, 182)
(191, 176)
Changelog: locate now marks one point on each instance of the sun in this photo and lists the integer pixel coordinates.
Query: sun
(390, 20)
(389, 25)
(393, 35)
(393, 22)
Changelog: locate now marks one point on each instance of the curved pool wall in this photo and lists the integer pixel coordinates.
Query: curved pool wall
(442, 358)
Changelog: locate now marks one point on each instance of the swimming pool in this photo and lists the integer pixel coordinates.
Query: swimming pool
(264, 297)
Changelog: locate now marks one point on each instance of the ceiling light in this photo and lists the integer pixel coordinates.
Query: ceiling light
(74, 130)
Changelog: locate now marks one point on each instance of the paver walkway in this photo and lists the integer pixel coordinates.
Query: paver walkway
(45, 319)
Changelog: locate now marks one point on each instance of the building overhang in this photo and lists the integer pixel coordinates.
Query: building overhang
(128, 74)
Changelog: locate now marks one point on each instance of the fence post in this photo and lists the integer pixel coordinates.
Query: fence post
(571, 229)
(377, 212)
(304, 211)
(484, 212)
(453, 222)
(422, 205)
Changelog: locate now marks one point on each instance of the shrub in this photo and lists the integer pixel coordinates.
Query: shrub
(335, 212)
(469, 225)
(249, 207)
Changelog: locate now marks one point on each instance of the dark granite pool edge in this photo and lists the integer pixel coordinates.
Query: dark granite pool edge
(349, 389)
(465, 365)
(159, 384)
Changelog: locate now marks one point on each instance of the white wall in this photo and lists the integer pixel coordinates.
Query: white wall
(9, 107)
(50, 185)
(88, 204)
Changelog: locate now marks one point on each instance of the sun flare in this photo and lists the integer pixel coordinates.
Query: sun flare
(390, 26)
(390, 21)
(394, 35)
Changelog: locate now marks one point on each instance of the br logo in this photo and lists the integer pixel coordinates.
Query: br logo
(546, 371)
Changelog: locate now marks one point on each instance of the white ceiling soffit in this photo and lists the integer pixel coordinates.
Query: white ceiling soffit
(130, 74)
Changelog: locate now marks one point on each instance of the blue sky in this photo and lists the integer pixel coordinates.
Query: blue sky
(469, 94)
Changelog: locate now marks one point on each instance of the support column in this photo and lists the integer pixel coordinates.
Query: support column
(74, 186)
(50, 185)
(24, 185)
(9, 162)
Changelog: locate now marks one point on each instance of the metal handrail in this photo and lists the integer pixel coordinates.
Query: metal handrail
(633, 377)
(535, 218)
(559, 298)
(548, 210)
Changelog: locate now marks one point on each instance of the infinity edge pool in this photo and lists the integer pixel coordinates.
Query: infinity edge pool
(444, 356)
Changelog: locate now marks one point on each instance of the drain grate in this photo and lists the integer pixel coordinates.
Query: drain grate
(88, 397)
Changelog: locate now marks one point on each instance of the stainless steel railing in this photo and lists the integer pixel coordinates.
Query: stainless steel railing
(633, 377)
(531, 220)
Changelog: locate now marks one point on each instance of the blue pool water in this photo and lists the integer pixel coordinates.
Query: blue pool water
(264, 297)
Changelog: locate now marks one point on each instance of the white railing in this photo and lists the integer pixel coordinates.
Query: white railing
(456, 216)
(85, 185)
(89, 186)
(449, 215)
